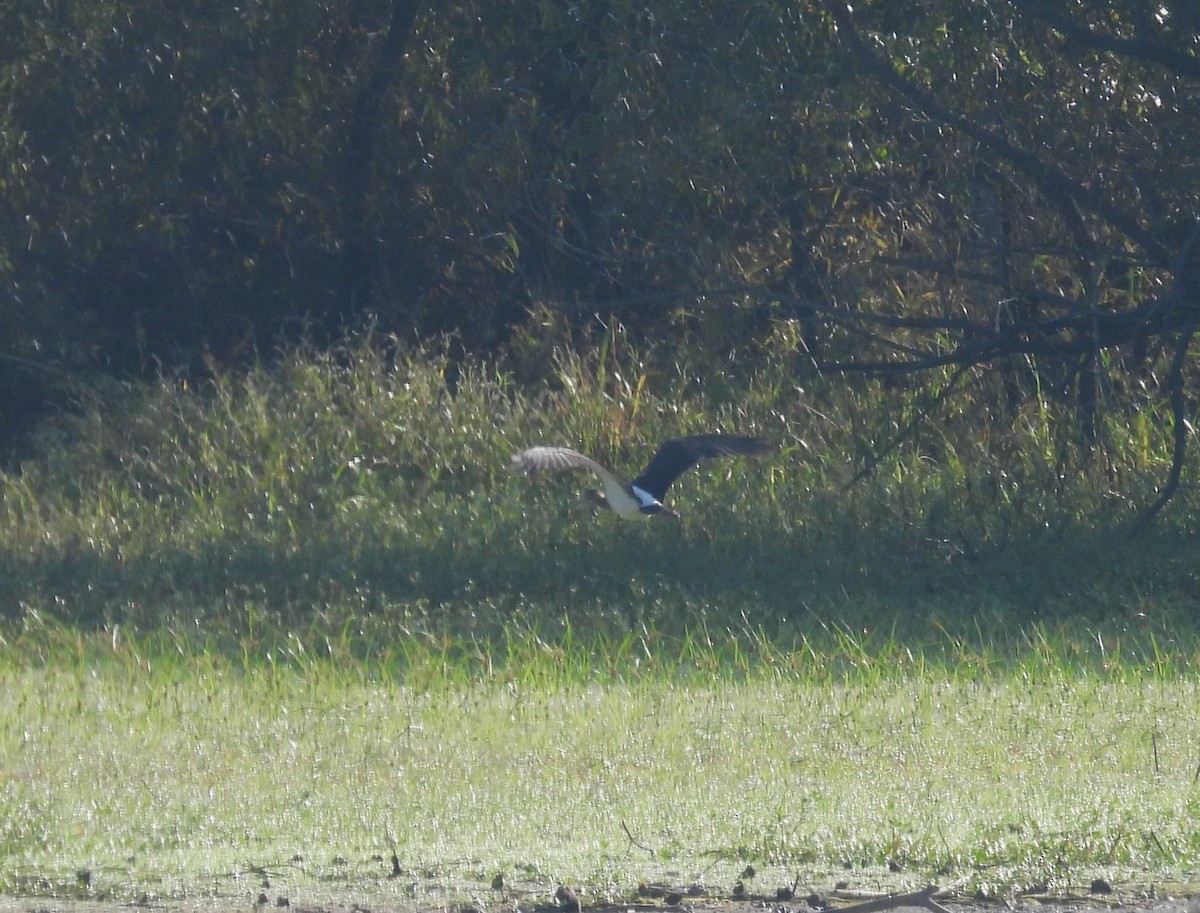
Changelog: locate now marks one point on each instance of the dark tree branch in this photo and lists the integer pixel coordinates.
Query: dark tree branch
(1179, 449)
(1075, 333)
(1170, 59)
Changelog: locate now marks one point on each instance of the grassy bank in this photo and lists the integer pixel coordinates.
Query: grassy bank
(367, 492)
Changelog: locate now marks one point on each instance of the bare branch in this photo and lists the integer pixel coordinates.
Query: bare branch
(907, 430)
(1168, 58)
(1179, 448)
(922, 898)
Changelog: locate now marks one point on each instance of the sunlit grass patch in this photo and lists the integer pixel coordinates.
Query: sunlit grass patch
(173, 774)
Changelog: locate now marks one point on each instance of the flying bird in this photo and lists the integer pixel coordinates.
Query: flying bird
(643, 496)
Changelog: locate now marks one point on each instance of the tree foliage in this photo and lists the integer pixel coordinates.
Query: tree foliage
(997, 188)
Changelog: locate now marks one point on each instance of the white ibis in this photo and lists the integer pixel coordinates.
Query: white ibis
(644, 495)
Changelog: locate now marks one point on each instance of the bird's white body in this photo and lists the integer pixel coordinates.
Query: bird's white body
(628, 502)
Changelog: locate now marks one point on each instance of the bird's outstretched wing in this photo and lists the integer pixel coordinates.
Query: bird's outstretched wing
(680, 454)
(615, 494)
(540, 458)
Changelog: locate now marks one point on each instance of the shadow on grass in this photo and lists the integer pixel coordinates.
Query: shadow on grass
(606, 580)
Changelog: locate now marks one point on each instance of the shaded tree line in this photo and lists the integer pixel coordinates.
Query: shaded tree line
(1002, 187)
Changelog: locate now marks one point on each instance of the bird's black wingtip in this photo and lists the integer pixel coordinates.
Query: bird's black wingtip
(726, 445)
(758, 447)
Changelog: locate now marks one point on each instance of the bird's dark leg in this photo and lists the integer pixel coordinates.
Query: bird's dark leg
(598, 498)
